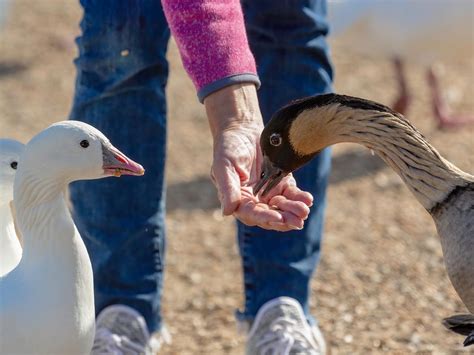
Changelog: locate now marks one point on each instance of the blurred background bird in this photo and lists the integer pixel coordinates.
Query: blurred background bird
(10, 246)
(423, 32)
(3, 11)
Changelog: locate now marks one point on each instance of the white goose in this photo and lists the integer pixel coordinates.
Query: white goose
(10, 247)
(47, 301)
(417, 31)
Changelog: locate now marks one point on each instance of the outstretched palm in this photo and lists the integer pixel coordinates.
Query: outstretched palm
(235, 172)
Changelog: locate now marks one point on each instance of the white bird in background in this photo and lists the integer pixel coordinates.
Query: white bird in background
(418, 31)
(10, 247)
(4, 4)
(47, 301)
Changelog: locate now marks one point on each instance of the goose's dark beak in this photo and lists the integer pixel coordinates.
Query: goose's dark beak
(116, 163)
(270, 176)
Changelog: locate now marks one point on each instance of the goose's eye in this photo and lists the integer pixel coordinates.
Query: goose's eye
(14, 165)
(275, 139)
(84, 143)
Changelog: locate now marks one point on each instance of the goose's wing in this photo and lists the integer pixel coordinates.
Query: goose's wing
(454, 220)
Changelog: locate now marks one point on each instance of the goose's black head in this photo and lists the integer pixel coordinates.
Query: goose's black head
(281, 154)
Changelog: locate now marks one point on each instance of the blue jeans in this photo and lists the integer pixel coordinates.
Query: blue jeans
(120, 89)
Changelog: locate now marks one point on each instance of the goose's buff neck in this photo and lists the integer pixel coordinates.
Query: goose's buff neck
(427, 174)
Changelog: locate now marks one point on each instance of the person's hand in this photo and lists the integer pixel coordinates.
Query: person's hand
(236, 124)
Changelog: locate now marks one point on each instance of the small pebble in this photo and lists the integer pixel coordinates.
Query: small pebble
(348, 318)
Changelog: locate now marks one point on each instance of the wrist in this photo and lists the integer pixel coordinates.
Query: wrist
(232, 107)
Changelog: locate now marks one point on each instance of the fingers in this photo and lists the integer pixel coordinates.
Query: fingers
(296, 194)
(297, 208)
(287, 187)
(282, 219)
(253, 214)
(227, 183)
(292, 221)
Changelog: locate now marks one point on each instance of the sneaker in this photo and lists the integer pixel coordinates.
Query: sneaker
(281, 328)
(120, 330)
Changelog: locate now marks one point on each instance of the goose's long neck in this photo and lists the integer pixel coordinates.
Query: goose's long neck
(10, 247)
(6, 218)
(427, 174)
(41, 210)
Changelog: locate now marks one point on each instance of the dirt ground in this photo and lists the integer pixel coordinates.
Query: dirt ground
(381, 286)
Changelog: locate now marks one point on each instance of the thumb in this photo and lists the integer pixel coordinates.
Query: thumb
(227, 182)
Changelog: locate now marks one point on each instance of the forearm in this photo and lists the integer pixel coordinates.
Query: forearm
(212, 41)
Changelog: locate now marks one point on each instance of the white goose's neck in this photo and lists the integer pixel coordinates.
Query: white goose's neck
(42, 215)
(5, 214)
(7, 226)
(427, 174)
(7, 231)
(55, 263)
(10, 247)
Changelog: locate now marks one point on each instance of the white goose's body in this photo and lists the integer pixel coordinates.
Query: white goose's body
(47, 302)
(51, 291)
(10, 247)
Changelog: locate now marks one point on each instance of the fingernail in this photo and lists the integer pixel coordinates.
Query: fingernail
(276, 224)
(296, 227)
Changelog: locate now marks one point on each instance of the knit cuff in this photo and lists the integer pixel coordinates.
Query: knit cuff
(227, 81)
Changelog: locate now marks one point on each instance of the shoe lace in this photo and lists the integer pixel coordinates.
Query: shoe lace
(285, 335)
(107, 343)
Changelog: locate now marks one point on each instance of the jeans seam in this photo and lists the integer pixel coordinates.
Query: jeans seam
(249, 279)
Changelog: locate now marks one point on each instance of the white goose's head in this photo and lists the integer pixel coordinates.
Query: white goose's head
(10, 151)
(71, 150)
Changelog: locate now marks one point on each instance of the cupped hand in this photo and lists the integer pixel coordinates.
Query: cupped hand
(236, 125)
(285, 210)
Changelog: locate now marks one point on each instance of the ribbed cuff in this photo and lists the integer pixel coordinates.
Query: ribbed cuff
(230, 80)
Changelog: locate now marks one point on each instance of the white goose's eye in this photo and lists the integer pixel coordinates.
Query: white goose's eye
(84, 143)
(14, 165)
(275, 139)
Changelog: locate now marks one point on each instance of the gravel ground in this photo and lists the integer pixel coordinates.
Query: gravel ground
(381, 286)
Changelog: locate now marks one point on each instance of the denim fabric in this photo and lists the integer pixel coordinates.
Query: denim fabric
(288, 41)
(120, 89)
(121, 77)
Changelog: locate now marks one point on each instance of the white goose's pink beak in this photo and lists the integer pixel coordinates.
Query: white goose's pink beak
(115, 163)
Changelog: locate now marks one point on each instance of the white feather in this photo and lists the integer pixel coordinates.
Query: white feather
(47, 301)
(10, 248)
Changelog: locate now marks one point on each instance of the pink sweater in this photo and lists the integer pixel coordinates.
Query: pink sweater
(212, 42)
